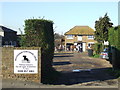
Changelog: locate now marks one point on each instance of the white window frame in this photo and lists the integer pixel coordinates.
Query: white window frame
(90, 37)
(69, 36)
(2, 34)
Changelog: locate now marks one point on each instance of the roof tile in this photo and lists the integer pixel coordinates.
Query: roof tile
(80, 30)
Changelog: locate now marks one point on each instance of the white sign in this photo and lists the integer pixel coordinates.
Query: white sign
(106, 43)
(26, 61)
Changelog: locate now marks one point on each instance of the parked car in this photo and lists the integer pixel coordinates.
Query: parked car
(104, 54)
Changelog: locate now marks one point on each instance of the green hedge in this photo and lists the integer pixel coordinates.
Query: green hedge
(39, 33)
(114, 40)
(113, 36)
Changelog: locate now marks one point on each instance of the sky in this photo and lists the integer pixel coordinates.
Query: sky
(65, 15)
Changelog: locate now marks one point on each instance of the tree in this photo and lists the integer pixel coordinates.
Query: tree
(58, 36)
(102, 26)
(58, 39)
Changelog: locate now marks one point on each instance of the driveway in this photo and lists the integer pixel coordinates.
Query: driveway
(80, 69)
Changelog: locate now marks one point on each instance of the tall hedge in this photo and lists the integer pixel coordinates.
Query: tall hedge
(114, 40)
(39, 33)
(118, 44)
(113, 36)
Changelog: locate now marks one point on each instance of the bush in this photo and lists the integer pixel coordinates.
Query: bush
(39, 33)
(98, 47)
(96, 55)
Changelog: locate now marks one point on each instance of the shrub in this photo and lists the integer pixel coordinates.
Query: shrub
(96, 55)
(39, 33)
(98, 47)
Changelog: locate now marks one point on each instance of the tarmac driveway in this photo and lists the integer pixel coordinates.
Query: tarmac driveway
(80, 69)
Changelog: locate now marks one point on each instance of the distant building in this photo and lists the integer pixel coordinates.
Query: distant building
(82, 35)
(8, 37)
(58, 41)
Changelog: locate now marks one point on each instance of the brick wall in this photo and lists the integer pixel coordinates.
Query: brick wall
(8, 65)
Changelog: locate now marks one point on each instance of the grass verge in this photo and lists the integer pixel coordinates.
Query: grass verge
(96, 56)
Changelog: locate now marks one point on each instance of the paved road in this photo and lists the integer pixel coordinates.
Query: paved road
(93, 73)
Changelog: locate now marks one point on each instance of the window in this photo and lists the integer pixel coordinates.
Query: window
(79, 38)
(90, 37)
(69, 36)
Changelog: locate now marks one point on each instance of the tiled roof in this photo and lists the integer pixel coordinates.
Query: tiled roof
(80, 30)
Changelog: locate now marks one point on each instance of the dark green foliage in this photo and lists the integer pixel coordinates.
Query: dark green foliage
(39, 33)
(98, 47)
(113, 35)
(96, 55)
(102, 26)
(22, 40)
(114, 40)
(118, 43)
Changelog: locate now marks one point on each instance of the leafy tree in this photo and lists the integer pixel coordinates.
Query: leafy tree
(58, 39)
(102, 26)
(58, 36)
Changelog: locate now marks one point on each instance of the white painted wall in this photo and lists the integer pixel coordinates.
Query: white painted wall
(84, 47)
(2, 34)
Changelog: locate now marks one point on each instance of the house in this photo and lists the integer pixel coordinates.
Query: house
(82, 35)
(8, 36)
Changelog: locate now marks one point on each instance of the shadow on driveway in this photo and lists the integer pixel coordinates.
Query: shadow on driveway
(99, 70)
(61, 63)
(71, 78)
(63, 56)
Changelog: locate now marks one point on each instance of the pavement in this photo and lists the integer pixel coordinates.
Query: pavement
(77, 71)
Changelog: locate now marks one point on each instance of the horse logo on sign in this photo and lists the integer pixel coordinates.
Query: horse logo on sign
(26, 61)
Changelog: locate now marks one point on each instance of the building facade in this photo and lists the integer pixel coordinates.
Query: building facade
(80, 35)
(8, 36)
